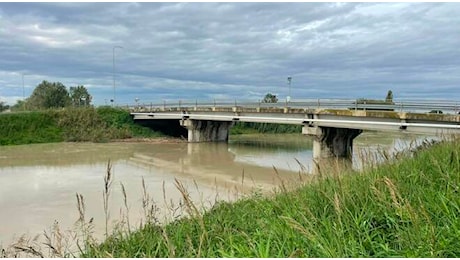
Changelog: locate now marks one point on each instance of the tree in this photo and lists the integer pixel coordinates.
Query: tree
(270, 98)
(389, 97)
(3, 106)
(49, 95)
(79, 96)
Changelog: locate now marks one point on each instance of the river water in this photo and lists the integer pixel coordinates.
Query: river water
(39, 182)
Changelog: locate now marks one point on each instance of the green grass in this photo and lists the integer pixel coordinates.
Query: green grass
(404, 208)
(264, 128)
(70, 124)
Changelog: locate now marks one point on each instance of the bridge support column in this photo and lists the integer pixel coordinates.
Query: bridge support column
(330, 142)
(207, 131)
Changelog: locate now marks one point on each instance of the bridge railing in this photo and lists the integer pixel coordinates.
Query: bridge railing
(417, 106)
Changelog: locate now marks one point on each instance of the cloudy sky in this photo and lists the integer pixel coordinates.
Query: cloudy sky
(220, 51)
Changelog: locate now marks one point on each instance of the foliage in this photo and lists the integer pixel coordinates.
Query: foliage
(79, 96)
(270, 98)
(251, 128)
(389, 97)
(49, 95)
(118, 118)
(406, 208)
(27, 128)
(20, 105)
(3, 106)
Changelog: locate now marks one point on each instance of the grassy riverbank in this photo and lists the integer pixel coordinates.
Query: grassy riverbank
(403, 208)
(71, 124)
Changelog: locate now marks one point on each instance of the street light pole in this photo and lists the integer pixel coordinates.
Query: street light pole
(113, 71)
(289, 83)
(23, 94)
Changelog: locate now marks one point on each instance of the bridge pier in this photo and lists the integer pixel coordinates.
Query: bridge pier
(331, 142)
(206, 130)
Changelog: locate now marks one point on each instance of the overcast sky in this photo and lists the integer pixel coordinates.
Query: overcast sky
(208, 51)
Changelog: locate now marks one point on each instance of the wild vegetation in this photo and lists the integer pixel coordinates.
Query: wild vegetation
(264, 128)
(70, 124)
(404, 208)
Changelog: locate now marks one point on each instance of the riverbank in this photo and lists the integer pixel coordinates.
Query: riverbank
(404, 208)
(100, 124)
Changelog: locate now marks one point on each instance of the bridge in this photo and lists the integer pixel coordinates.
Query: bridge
(333, 123)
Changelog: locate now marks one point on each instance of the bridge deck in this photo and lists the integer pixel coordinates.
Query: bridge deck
(340, 118)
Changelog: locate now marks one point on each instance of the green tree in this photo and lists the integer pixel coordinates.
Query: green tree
(389, 97)
(270, 98)
(49, 95)
(79, 96)
(3, 106)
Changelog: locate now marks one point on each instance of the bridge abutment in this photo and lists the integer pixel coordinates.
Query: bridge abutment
(331, 142)
(206, 130)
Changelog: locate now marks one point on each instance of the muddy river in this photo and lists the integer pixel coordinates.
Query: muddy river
(39, 182)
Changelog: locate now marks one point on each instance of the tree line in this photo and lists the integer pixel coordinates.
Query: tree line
(54, 95)
(271, 98)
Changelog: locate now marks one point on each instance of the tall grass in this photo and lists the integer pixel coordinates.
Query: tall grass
(404, 208)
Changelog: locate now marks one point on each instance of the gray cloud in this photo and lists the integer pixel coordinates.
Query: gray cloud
(232, 50)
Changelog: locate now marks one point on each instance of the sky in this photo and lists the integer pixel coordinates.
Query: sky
(159, 52)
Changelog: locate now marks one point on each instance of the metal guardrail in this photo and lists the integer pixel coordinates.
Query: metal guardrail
(415, 106)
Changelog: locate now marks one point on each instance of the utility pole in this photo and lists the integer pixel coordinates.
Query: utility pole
(113, 72)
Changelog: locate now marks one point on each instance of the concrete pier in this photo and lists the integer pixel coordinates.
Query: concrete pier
(330, 142)
(206, 130)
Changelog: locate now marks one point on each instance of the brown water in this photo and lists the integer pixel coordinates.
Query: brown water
(38, 182)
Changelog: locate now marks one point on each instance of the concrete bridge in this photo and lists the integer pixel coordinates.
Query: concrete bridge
(333, 123)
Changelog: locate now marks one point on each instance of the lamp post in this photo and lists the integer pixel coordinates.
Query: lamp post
(23, 94)
(137, 102)
(289, 79)
(113, 72)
